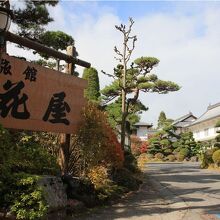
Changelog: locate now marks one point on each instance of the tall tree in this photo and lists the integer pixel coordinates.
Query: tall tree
(92, 92)
(32, 18)
(57, 40)
(162, 119)
(115, 113)
(134, 79)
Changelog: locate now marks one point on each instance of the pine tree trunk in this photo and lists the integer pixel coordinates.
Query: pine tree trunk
(123, 107)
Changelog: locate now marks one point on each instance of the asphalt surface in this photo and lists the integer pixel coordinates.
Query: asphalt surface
(171, 191)
(199, 189)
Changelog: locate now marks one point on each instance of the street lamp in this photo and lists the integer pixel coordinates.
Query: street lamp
(5, 22)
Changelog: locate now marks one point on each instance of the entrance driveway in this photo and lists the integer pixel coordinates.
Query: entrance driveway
(171, 191)
(199, 189)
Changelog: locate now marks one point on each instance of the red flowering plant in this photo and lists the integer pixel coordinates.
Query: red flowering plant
(113, 148)
(144, 146)
(135, 145)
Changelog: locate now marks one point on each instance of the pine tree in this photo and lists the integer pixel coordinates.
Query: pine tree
(32, 19)
(134, 79)
(57, 40)
(115, 113)
(162, 119)
(92, 92)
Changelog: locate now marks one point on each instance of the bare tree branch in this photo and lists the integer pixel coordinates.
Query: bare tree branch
(118, 52)
(130, 26)
(120, 28)
(134, 39)
(118, 59)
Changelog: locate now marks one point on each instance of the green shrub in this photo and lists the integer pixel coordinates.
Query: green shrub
(154, 144)
(105, 188)
(109, 192)
(165, 143)
(216, 157)
(22, 153)
(204, 162)
(167, 151)
(184, 152)
(159, 156)
(206, 157)
(130, 162)
(217, 138)
(180, 157)
(21, 157)
(99, 177)
(141, 161)
(176, 145)
(33, 158)
(125, 178)
(177, 150)
(171, 158)
(150, 156)
(27, 199)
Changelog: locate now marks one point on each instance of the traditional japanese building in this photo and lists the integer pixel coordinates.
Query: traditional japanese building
(184, 121)
(143, 130)
(204, 127)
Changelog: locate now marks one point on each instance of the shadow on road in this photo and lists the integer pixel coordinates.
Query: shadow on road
(199, 189)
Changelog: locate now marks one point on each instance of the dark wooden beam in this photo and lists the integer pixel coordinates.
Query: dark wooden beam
(43, 49)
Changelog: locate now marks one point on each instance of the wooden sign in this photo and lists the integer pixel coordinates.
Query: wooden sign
(36, 98)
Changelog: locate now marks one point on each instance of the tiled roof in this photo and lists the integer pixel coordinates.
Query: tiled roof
(211, 112)
(183, 118)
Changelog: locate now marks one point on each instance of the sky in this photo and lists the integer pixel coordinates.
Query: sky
(183, 35)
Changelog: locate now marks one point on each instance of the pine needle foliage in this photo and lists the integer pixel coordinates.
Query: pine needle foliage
(92, 92)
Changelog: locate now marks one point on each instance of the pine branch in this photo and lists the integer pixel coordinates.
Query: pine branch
(107, 74)
(109, 99)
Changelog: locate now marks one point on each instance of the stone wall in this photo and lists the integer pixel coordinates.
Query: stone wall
(55, 195)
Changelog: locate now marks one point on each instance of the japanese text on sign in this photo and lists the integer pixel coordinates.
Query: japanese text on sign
(36, 98)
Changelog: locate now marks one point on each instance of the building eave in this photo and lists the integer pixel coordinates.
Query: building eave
(200, 122)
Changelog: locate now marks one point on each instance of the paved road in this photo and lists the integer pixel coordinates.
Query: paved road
(171, 191)
(198, 189)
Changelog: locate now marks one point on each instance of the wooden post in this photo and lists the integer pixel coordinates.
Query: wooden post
(66, 138)
(70, 67)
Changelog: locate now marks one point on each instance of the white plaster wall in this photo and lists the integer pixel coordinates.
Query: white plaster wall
(141, 132)
(204, 132)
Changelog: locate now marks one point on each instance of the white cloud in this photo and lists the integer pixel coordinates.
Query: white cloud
(187, 46)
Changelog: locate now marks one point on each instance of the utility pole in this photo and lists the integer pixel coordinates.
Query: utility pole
(65, 139)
